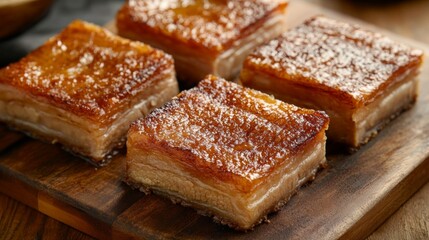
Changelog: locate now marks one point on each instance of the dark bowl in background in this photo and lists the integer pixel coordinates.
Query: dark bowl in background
(19, 15)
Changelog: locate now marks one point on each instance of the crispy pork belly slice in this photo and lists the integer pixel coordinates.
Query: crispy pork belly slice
(84, 87)
(360, 78)
(203, 36)
(230, 152)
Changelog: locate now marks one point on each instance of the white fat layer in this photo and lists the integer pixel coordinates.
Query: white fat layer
(229, 63)
(194, 66)
(347, 126)
(168, 89)
(167, 178)
(369, 117)
(79, 134)
(293, 179)
(158, 173)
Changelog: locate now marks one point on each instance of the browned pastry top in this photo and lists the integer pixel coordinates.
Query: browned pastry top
(336, 57)
(228, 132)
(88, 71)
(212, 25)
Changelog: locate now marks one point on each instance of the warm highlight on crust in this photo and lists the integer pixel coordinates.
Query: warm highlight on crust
(87, 71)
(83, 88)
(227, 151)
(343, 60)
(220, 109)
(211, 27)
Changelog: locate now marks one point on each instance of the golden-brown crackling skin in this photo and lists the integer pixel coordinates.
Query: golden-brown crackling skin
(211, 26)
(351, 64)
(224, 132)
(88, 71)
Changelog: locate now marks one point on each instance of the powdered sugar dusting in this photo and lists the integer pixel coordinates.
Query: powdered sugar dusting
(337, 55)
(229, 129)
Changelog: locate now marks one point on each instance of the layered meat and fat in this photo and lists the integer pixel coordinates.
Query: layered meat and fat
(213, 37)
(360, 78)
(352, 126)
(84, 87)
(230, 152)
(76, 133)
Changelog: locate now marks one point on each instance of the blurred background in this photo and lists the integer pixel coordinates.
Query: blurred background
(410, 14)
(27, 24)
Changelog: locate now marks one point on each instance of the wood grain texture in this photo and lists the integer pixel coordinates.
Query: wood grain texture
(408, 223)
(348, 200)
(18, 222)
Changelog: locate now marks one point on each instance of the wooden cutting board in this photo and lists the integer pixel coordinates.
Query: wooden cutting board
(348, 200)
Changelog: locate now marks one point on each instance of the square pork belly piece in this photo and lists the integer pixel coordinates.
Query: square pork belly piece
(204, 37)
(360, 78)
(84, 87)
(230, 152)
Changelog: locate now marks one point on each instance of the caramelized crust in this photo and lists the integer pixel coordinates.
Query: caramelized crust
(224, 132)
(349, 63)
(88, 71)
(207, 25)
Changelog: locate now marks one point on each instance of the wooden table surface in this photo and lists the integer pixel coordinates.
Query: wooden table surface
(409, 18)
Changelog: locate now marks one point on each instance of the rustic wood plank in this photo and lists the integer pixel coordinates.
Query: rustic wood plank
(73, 217)
(8, 138)
(12, 187)
(18, 222)
(18, 187)
(349, 200)
(99, 193)
(407, 223)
